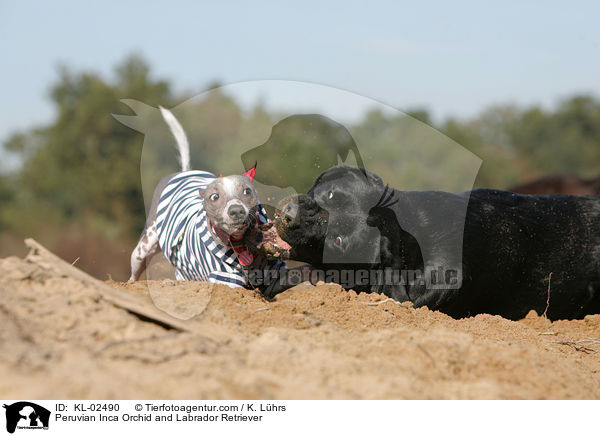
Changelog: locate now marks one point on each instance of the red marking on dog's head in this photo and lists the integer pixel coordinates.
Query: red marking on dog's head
(250, 173)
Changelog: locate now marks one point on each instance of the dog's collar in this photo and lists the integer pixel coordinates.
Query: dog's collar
(226, 237)
(239, 247)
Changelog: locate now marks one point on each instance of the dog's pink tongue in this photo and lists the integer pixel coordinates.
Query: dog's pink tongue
(273, 237)
(281, 243)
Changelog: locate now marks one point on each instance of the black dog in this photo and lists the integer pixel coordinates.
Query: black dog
(483, 251)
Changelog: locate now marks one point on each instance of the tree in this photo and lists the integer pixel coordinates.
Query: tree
(86, 163)
(80, 174)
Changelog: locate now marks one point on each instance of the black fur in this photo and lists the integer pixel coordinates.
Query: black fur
(514, 247)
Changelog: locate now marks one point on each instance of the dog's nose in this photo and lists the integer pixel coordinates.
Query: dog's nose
(236, 212)
(289, 212)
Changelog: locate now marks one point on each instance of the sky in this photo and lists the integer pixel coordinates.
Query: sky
(453, 58)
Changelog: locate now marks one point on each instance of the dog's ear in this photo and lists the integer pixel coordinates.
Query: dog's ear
(201, 192)
(250, 173)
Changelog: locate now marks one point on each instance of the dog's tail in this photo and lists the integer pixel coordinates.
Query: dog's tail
(180, 138)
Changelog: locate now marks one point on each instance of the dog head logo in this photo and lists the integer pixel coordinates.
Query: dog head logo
(306, 145)
(26, 415)
(294, 146)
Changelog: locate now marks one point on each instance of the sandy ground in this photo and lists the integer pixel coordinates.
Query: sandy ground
(60, 338)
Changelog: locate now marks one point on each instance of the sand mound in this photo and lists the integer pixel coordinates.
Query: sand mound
(64, 336)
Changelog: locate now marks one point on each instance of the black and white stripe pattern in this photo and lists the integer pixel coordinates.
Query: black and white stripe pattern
(184, 237)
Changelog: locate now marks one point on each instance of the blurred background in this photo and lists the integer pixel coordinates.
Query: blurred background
(516, 84)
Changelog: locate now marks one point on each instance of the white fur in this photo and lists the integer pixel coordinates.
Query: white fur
(229, 186)
(146, 247)
(180, 138)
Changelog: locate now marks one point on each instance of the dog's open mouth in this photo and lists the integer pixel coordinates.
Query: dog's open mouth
(238, 225)
(277, 240)
(266, 241)
(236, 231)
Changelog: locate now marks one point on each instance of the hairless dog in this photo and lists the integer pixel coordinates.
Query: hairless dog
(210, 228)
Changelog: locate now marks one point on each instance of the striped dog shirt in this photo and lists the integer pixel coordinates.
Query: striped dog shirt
(185, 239)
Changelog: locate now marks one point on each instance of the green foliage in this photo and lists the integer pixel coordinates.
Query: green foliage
(85, 163)
(298, 149)
(519, 145)
(410, 154)
(420, 114)
(567, 140)
(486, 137)
(6, 198)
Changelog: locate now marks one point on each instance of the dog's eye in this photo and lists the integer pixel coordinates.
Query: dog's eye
(247, 191)
(330, 195)
(338, 241)
(214, 197)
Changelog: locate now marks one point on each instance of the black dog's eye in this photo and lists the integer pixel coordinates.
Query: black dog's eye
(338, 241)
(214, 197)
(330, 195)
(247, 191)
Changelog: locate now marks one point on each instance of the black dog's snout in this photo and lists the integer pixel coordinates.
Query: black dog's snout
(308, 204)
(296, 209)
(236, 212)
(289, 213)
(290, 208)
